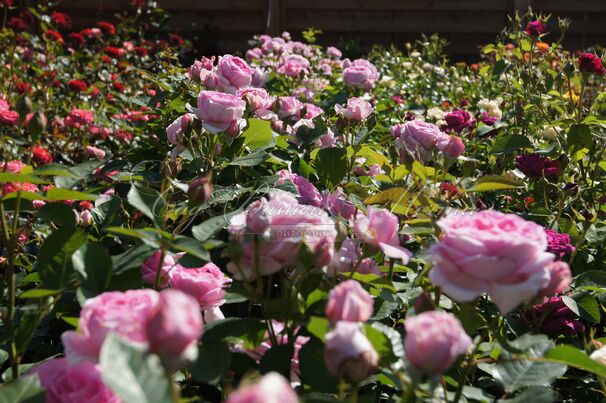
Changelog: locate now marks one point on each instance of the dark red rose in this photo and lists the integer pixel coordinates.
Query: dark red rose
(23, 88)
(553, 318)
(590, 63)
(86, 205)
(107, 27)
(140, 51)
(41, 155)
(449, 188)
(119, 86)
(552, 167)
(27, 17)
(123, 136)
(176, 40)
(459, 120)
(6, 3)
(77, 85)
(53, 36)
(114, 52)
(535, 28)
(77, 39)
(138, 3)
(531, 165)
(61, 20)
(17, 24)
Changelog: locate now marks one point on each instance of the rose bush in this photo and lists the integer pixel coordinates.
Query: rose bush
(297, 225)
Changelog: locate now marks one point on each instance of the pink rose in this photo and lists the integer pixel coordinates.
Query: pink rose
(308, 193)
(273, 45)
(95, 152)
(294, 66)
(79, 117)
(452, 146)
(434, 340)
(289, 106)
(79, 383)
(123, 313)
(357, 109)
(272, 388)
(420, 138)
(379, 228)
(254, 54)
(173, 328)
(257, 98)
(203, 64)
(206, 284)
(561, 277)
(488, 251)
(327, 140)
(350, 302)
(359, 77)
(175, 131)
(8, 117)
(234, 73)
(260, 77)
(217, 110)
(348, 354)
(333, 52)
(149, 269)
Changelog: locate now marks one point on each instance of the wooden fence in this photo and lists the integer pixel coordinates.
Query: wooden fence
(465, 23)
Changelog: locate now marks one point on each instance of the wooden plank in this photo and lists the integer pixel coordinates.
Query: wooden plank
(555, 6)
(434, 5)
(169, 5)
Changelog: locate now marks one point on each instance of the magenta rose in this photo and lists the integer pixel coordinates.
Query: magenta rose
(459, 120)
(272, 388)
(434, 340)
(173, 328)
(357, 109)
(78, 383)
(8, 117)
(206, 284)
(350, 302)
(590, 63)
(379, 228)
(490, 252)
(234, 73)
(535, 28)
(123, 313)
(348, 354)
(218, 111)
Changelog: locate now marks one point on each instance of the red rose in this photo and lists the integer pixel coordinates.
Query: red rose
(61, 20)
(140, 51)
(119, 86)
(77, 85)
(114, 52)
(176, 40)
(107, 27)
(77, 39)
(53, 36)
(590, 63)
(6, 3)
(17, 24)
(22, 87)
(535, 28)
(41, 155)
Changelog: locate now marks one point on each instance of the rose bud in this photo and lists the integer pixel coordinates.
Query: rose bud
(37, 124)
(86, 218)
(348, 353)
(434, 340)
(173, 328)
(199, 189)
(559, 281)
(273, 388)
(349, 302)
(24, 106)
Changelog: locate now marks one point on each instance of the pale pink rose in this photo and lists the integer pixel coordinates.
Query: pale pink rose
(420, 138)
(327, 140)
(257, 98)
(289, 107)
(359, 77)
(273, 45)
(336, 204)
(272, 388)
(174, 131)
(86, 218)
(357, 109)
(379, 228)
(173, 328)
(95, 152)
(371, 67)
(210, 79)
(122, 313)
(254, 54)
(350, 302)
(452, 146)
(213, 315)
(312, 111)
(294, 66)
(199, 65)
(149, 269)
(14, 166)
(206, 284)
(333, 52)
(348, 354)
(490, 252)
(217, 110)
(234, 73)
(561, 277)
(434, 340)
(79, 383)
(308, 193)
(260, 77)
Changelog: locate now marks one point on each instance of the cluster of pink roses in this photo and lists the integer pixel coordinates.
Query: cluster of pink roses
(418, 140)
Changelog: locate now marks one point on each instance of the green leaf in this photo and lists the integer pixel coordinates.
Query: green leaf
(509, 143)
(249, 330)
(258, 134)
(584, 305)
(318, 327)
(213, 360)
(579, 137)
(250, 160)
(94, 264)
(38, 293)
(19, 178)
(591, 278)
(534, 394)
(205, 230)
(23, 390)
(191, 247)
(490, 183)
(331, 165)
(55, 194)
(58, 213)
(575, 358)
(52, 170)
(132, 374)
(54, 257)
(148, 201)
(313, 370)
(277, 359)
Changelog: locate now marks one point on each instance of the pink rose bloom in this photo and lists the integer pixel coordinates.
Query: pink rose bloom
(218, 111)
(434, 340)
(289, 106)
(365, 63)
(420, 138)
(8, 117)
(357, 109)
(122, 313)
(488, 251)
(379, 228)
(210, 79)
(203, 64)
(336, 204)
(294, 66)
(260, 77)
(173, 328)
(254, 54)
(359, 77)
(272, 388)
(257, 98)
(79, 117)
(327, 140)
(312, 111)
(348, 354)
(452, 146)
(149, 269)
(350, 302)
(273, 45)
(14, 166)
(234, 73)
(308, 193)
(95, 152)
(561, 277)
(79, 383)
(174, 131)
(333, 52)
(206, 284)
